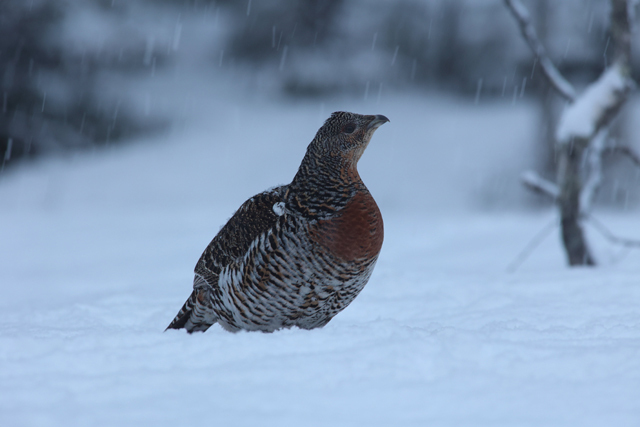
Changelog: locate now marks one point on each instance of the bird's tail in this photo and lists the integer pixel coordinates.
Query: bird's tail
(195, 314)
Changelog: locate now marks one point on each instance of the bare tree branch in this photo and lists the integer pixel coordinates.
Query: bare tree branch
(582, 129)
(556, 79)
(537, 184)
(607, 234)
(627, 152)
(620, 29)
(532, 245)
(593, 165)
(587, 120)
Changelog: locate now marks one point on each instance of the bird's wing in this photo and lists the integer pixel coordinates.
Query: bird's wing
(254, 218)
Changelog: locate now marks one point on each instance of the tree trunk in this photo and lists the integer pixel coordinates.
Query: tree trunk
(570, 164)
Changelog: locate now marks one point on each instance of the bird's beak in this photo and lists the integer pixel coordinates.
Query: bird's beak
(377, 121)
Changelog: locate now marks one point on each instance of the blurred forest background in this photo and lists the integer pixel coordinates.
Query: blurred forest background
(71, 71)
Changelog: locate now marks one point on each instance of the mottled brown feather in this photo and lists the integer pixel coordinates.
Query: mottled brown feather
(300, 253)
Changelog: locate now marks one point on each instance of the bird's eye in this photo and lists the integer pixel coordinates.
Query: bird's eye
(349, 128)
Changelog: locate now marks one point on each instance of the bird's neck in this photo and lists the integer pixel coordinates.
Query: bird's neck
(323, 185)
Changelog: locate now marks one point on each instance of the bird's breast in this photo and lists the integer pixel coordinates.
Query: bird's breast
(356, 233)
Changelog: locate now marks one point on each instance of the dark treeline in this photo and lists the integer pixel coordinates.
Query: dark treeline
(55, 96)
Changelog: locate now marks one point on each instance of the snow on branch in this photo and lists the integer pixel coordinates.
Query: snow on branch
(595, 107)
(537, 184)
(521, 14)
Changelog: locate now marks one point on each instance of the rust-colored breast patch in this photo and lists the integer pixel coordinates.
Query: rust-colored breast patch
(356, 234)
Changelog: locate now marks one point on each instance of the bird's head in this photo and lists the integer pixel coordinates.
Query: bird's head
(328, 173)
(345, 135)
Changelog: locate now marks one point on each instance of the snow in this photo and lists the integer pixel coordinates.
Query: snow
(581, 118)
(98, 251)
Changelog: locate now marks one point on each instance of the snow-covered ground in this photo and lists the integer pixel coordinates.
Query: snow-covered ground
(97, 252)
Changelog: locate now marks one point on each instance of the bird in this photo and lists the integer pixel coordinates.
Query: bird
(297, 254)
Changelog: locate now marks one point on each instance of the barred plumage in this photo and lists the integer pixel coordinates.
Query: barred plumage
(297, 254)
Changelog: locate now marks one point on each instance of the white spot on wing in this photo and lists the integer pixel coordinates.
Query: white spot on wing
(278, 208)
